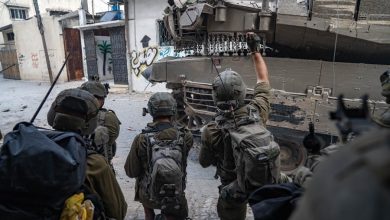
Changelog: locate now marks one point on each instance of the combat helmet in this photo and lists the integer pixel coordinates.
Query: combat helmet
(95, 88)
(74, 110)
(385, 81)
(162, 104)
(229, 90)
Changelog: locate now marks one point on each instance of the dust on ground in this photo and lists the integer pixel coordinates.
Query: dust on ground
(19, 100)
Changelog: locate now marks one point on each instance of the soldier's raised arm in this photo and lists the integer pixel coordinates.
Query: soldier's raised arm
(261, 69)
(262, 89)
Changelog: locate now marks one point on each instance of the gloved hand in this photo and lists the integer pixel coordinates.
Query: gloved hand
(253, 41)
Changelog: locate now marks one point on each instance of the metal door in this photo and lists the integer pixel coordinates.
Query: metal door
(73, 45)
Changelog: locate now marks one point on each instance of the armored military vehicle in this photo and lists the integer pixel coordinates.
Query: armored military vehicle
(314, 49)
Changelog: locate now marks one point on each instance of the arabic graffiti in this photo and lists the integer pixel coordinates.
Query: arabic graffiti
(35, 60)
(141, 60)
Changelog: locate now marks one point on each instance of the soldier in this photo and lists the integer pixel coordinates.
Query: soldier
(352, 183)
(384, 119)
(106, 118)
(229, 93)
(304, 174)
(100, 179)
(158, 161)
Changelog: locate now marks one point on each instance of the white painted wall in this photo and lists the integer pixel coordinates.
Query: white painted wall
(72, 5)
(31, 57)
(146, 14)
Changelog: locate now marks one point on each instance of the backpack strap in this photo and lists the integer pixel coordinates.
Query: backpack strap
(102, 116)
(68, 135)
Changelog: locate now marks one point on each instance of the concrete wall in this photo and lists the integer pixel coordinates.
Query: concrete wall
(5, 17)
(146, 14)
(71, 5)
(31, 57)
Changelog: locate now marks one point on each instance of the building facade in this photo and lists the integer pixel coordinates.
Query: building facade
(21, 48)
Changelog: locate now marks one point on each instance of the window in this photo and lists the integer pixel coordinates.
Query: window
(165, 38)
(10, 36)
(18, 13)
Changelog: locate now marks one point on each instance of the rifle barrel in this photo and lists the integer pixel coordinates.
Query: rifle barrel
(49, 91)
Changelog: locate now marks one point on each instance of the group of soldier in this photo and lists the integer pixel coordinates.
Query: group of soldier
(238, 144)
(222, 146)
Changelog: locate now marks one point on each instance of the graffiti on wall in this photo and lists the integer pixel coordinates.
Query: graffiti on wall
(142, 60)
(35, 60)
(105, 49)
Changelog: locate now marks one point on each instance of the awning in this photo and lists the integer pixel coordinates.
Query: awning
(101, 25)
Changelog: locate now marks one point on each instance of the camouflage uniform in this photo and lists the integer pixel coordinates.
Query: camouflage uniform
(305, 173)
(101, 180)
(213, 153)
(352, 183)
(136, 163)
(384, 119)
(106, 118)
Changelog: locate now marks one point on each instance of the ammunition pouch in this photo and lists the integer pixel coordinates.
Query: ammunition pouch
(232, 193)
(169, 198)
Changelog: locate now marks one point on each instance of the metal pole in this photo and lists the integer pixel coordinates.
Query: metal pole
(83, 21)
(42, 32)
(129, 27)
(93, 11)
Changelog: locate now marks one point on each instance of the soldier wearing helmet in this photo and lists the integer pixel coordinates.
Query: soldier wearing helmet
(139, 163)
(229, 92)
(109, 124)
(76, 110)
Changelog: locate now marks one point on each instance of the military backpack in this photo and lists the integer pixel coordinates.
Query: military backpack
(39, 170)
(256, 154)
(112, 132)
(166, 170)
